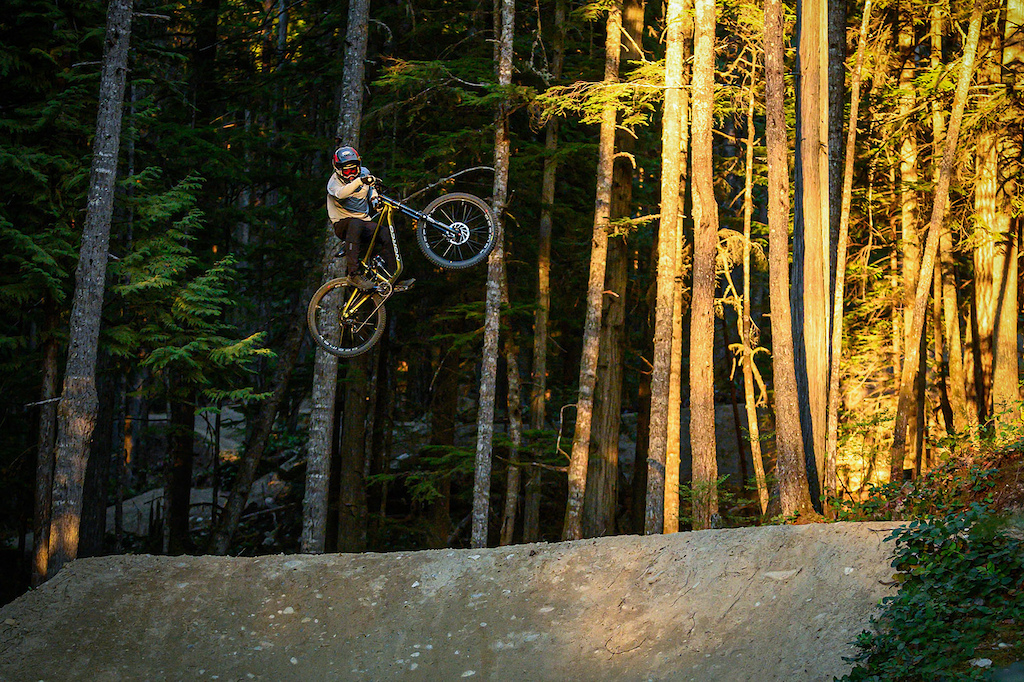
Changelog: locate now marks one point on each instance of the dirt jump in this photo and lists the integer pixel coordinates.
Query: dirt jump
(769, 603)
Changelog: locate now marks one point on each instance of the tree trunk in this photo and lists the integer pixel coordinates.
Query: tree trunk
(599, 509)
(671, 137)
(515, 431)
(178, 476)
(93, 527)
(836, 350)
(789, 445)
(76, 412)
(352, 511)
(903, 407)
(746, 322)
(495, 274)
(603, 468)
(325, 365)
(673, 434)
(957, 383)
(910, 241)
(44, 451)
(538, 390)
(1005, 370)
(443, 407)
(811, 277)
(572, 528)
(705, 247)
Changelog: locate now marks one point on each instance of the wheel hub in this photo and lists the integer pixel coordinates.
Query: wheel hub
(460, 233)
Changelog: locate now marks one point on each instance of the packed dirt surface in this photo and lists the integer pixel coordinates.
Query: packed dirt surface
(767, 603)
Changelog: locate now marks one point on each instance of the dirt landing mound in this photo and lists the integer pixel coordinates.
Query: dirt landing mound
(769, 603)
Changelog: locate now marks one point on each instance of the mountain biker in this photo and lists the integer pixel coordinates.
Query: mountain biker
(350, 196)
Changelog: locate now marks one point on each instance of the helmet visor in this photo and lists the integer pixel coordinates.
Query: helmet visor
(350, 170)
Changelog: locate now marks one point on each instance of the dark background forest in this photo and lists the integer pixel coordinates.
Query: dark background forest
(218, 234)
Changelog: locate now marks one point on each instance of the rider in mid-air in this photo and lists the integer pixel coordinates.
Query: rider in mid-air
(350, 194)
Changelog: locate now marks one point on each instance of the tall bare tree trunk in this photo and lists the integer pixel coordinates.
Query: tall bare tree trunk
(178, 475)
(903, 407)
(76, 412)
(515, 430)
(673, 435)
(811, 277)
(705, 244)
(910, 242)
(947, 274)
(538, 391)
(746, 323)
(789, 448)
(495, 275)
(671, 137)
(1006, 410)
(601, 496)
(572, 528)
(843, 237)
(48, 397)
(325, 365)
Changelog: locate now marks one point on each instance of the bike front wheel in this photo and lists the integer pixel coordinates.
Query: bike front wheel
(465, 234)
(345, 321)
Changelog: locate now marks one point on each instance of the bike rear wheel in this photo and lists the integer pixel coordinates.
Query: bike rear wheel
(470, 236)
(344, 321)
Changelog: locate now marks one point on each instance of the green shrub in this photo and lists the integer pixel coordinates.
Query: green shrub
(961, 593)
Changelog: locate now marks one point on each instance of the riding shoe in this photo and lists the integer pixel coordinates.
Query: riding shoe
(362, 283)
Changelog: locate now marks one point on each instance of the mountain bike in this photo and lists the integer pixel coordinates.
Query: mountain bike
(454, 231)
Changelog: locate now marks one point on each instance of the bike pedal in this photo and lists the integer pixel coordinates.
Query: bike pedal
(405, 285)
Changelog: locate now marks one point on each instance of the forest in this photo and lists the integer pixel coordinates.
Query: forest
(831, 306)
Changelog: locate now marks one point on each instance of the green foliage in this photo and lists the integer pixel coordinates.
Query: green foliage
(172, 311)
(961, 578)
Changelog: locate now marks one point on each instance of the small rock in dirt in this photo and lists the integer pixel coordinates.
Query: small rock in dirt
(981, 662)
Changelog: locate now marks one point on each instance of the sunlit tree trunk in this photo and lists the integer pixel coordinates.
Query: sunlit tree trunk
(1005, 362)
(325, 367)
(904, 405)
(811, 277)
(674, 427)
(602, 477)
(910, 261)
(495, 275)
(76, 411)
(954, 347)
(841, 244)
(790, 466)
(671, 135)
(746, 323)
(538, 390)
(572, 528)
(705, 243)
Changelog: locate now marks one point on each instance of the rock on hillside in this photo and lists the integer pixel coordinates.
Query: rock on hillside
(767, 603)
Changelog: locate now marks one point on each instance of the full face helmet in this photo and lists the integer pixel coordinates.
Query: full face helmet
(346, 162)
